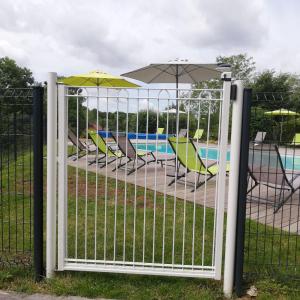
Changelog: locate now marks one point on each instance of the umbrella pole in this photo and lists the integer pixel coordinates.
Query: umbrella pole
(177, 102)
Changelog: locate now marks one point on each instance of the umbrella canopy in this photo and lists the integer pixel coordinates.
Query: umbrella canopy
(176, 71)
(98, 78)
(281, 112)
(173, 111)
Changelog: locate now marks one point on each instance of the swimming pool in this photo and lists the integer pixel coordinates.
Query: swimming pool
(212, 153)
(290, 162)
(140, 136)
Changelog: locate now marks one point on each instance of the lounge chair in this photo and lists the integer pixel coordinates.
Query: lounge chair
(190, 159)
(260, 137)
(83, 149)
(198, 134)
(160, 130)
(266, 168)
(103, 150)
(127, 149)
(296, 140)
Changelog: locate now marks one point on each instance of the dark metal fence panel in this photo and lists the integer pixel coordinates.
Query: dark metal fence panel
(16, 177)
(272, 243)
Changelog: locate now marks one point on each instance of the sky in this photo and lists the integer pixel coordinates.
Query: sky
(75, 36)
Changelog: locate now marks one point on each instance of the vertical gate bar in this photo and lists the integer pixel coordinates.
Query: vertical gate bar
(96, 188)
(125, 188)
(155, 187)
(205, 182)
(226, 77)
(38, 179)
(216, 186)
(195, 182)
(235, 145)
(242, 193)
(145, 178)
(86, 176)
(165, 186)
(62, 175)
(106, 182)
(51, 173)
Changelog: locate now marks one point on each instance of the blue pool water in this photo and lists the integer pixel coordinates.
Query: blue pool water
(212, 153)
(290, 162)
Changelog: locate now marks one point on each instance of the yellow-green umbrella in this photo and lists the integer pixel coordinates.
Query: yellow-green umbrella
(281, 113)
(98, 78)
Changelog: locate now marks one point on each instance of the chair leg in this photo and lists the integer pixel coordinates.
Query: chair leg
(122, 164)
(253, 187)
(200, 183)
(97, 160)
(135, 169)
(281, 203)
(109, 162)
(177, 177)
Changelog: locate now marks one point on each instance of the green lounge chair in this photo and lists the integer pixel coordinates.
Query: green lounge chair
(190, 159)
(296, 140)
(198, 134)
(103, 150)
(160, 130)
(127, 149)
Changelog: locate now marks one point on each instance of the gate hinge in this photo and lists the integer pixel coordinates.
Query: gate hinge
(233, 91)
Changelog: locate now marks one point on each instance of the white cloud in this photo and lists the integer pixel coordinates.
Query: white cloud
(75, 36)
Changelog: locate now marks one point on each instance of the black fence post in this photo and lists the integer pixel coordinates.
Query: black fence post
(242, 192)
(38, 180)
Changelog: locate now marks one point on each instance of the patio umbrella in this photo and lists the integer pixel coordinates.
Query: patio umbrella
(98, 78)
(281, 113)
(177, 71)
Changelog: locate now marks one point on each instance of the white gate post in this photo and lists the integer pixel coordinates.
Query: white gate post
(62, 175)
(51, 174)
(235, 147)
(226, 77)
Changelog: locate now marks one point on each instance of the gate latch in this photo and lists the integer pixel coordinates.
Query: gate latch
(233, 91)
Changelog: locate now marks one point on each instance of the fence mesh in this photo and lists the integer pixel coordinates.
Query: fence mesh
(273, 209)
(16, 172)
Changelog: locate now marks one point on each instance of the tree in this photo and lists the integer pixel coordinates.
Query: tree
(14, 76)
(269, 81)
(242, 66)
(272, 91)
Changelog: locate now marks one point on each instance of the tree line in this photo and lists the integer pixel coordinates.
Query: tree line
(271, 90)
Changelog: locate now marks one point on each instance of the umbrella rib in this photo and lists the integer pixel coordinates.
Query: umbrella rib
(162, 71)
(188, 73)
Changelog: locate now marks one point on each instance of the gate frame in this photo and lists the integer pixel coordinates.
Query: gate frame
(61, 100)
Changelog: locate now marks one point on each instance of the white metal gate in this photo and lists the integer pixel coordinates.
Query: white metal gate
(132, 200)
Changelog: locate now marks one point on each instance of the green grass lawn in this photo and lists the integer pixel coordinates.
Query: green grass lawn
(16, 210)
(150, 230)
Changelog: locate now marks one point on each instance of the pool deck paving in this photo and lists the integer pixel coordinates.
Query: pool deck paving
(153, 177)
